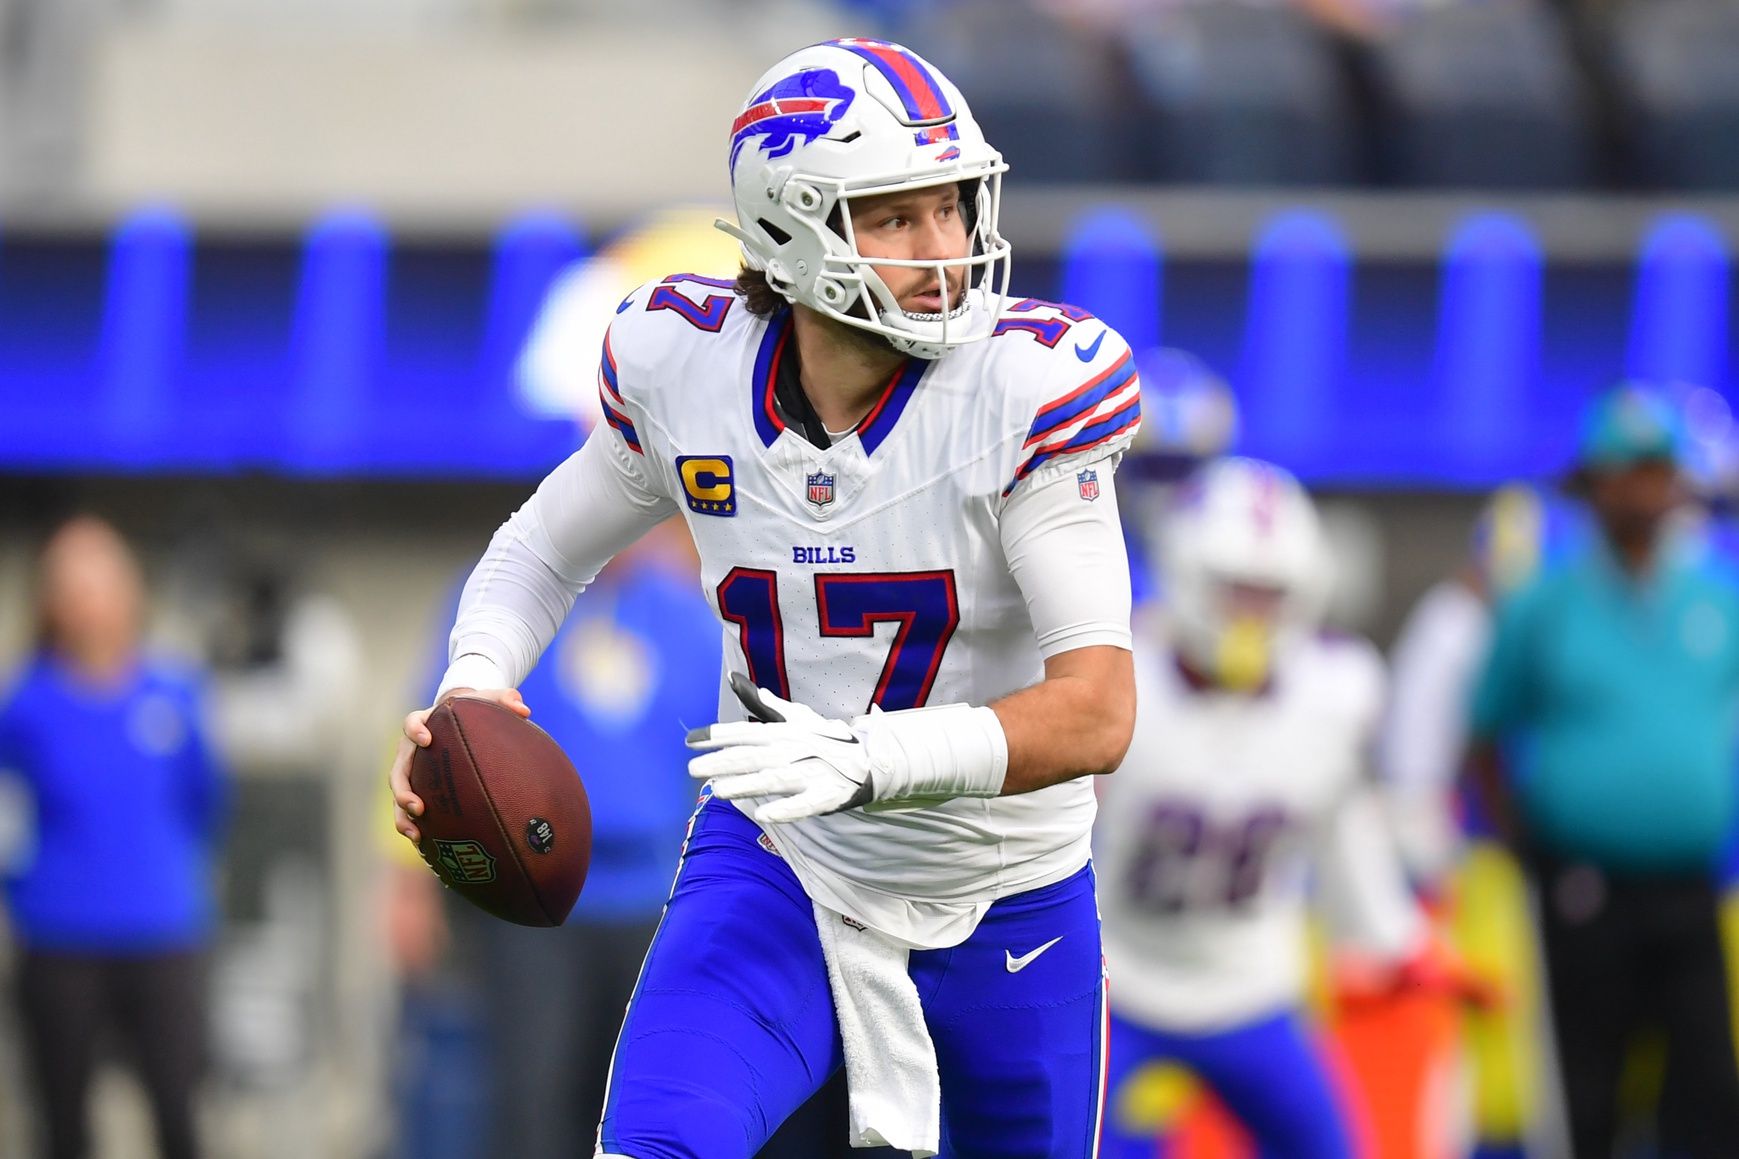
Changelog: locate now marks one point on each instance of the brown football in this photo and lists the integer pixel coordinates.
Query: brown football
(505, 819)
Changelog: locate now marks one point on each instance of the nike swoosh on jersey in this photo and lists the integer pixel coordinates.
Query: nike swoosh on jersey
(1086, 353)
(1016, 965)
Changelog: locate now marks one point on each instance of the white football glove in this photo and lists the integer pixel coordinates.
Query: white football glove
(809, 764)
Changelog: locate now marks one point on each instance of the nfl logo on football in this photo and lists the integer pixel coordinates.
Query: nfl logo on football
(1088, 482)
(820, 489)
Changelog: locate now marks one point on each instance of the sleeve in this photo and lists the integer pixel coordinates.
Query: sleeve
(1089, 408)
(205, 786)
(1363, 888)
(17, 799)
(1503, 697)
(1065, 551)
(596, 503)
(1435, 662)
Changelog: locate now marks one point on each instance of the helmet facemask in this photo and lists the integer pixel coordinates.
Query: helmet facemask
(842, 283)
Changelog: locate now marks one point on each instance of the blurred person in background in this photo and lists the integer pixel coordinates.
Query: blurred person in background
(1468, 884)
(110, 893)
(630, 671)
(1249, 764)
(1603, 745)
(1436, 659)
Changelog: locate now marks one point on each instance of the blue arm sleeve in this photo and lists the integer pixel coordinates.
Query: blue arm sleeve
(206, 786)
(1503, 698)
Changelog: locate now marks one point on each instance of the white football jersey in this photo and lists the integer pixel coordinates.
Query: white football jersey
(1209, 830)
(871, 572)
(1435, 663)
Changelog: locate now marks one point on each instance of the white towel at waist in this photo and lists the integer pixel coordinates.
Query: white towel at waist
(890, 1062)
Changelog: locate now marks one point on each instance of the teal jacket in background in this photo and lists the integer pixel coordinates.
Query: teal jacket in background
(1617, 701)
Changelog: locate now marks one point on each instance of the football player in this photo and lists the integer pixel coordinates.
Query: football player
(1469, 884)
(900, 485)
(1247, 768)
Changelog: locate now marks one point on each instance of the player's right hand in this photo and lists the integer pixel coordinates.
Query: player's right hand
(406, 804)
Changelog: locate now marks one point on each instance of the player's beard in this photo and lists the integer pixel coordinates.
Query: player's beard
(865, 345)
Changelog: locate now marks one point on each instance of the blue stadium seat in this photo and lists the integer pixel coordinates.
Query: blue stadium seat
(1040, 91)
(1230, 93)
(1484, 95)
(1674, 63)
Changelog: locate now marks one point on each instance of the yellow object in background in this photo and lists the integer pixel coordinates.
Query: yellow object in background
(1154, 1099)
(557, 373)
(1490, 925)
(1245, 651)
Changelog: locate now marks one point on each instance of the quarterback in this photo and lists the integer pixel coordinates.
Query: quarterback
(900, 485)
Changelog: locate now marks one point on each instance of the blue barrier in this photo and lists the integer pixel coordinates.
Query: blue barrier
(1112, 268)
(1487, 346)
(144, 323)
(351, 352)
(335, 343)
(1678, 330)
(1292, 365)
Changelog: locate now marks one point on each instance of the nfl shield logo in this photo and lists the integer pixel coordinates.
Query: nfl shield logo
(466, 862)
(1088, 482)
(820, 489)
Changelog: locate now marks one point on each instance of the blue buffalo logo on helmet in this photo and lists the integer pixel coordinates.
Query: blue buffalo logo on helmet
(801, 107)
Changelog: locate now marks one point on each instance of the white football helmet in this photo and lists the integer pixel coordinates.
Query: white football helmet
(857, 118)
(1245, 568)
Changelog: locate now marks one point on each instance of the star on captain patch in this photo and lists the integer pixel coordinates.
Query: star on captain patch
(1088, 483)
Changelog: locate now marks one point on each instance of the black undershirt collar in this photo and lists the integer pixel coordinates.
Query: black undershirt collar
(792, 404)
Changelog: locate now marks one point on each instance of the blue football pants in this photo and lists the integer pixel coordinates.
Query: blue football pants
(1268, 1074)
(731, 1026)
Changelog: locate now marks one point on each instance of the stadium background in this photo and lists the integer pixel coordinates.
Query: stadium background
(266, 272)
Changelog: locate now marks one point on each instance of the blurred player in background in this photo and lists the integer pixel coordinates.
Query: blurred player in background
(1248, 765)
(1470, 886)
(902, 496)
(109, 890)
(1613, 685)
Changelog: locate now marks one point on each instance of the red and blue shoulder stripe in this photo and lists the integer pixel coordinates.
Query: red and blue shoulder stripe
(1104, 408)
(610, 391)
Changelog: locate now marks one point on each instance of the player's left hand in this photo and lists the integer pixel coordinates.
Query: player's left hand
(807, 763)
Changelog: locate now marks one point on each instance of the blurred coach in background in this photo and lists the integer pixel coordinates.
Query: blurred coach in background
(108, 890)
(1611, 685)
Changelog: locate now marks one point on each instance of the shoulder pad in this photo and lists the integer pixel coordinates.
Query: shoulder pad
(1353, 674)
(651, 335)
(1073, 381)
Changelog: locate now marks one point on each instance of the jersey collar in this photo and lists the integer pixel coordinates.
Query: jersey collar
(778, 394)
